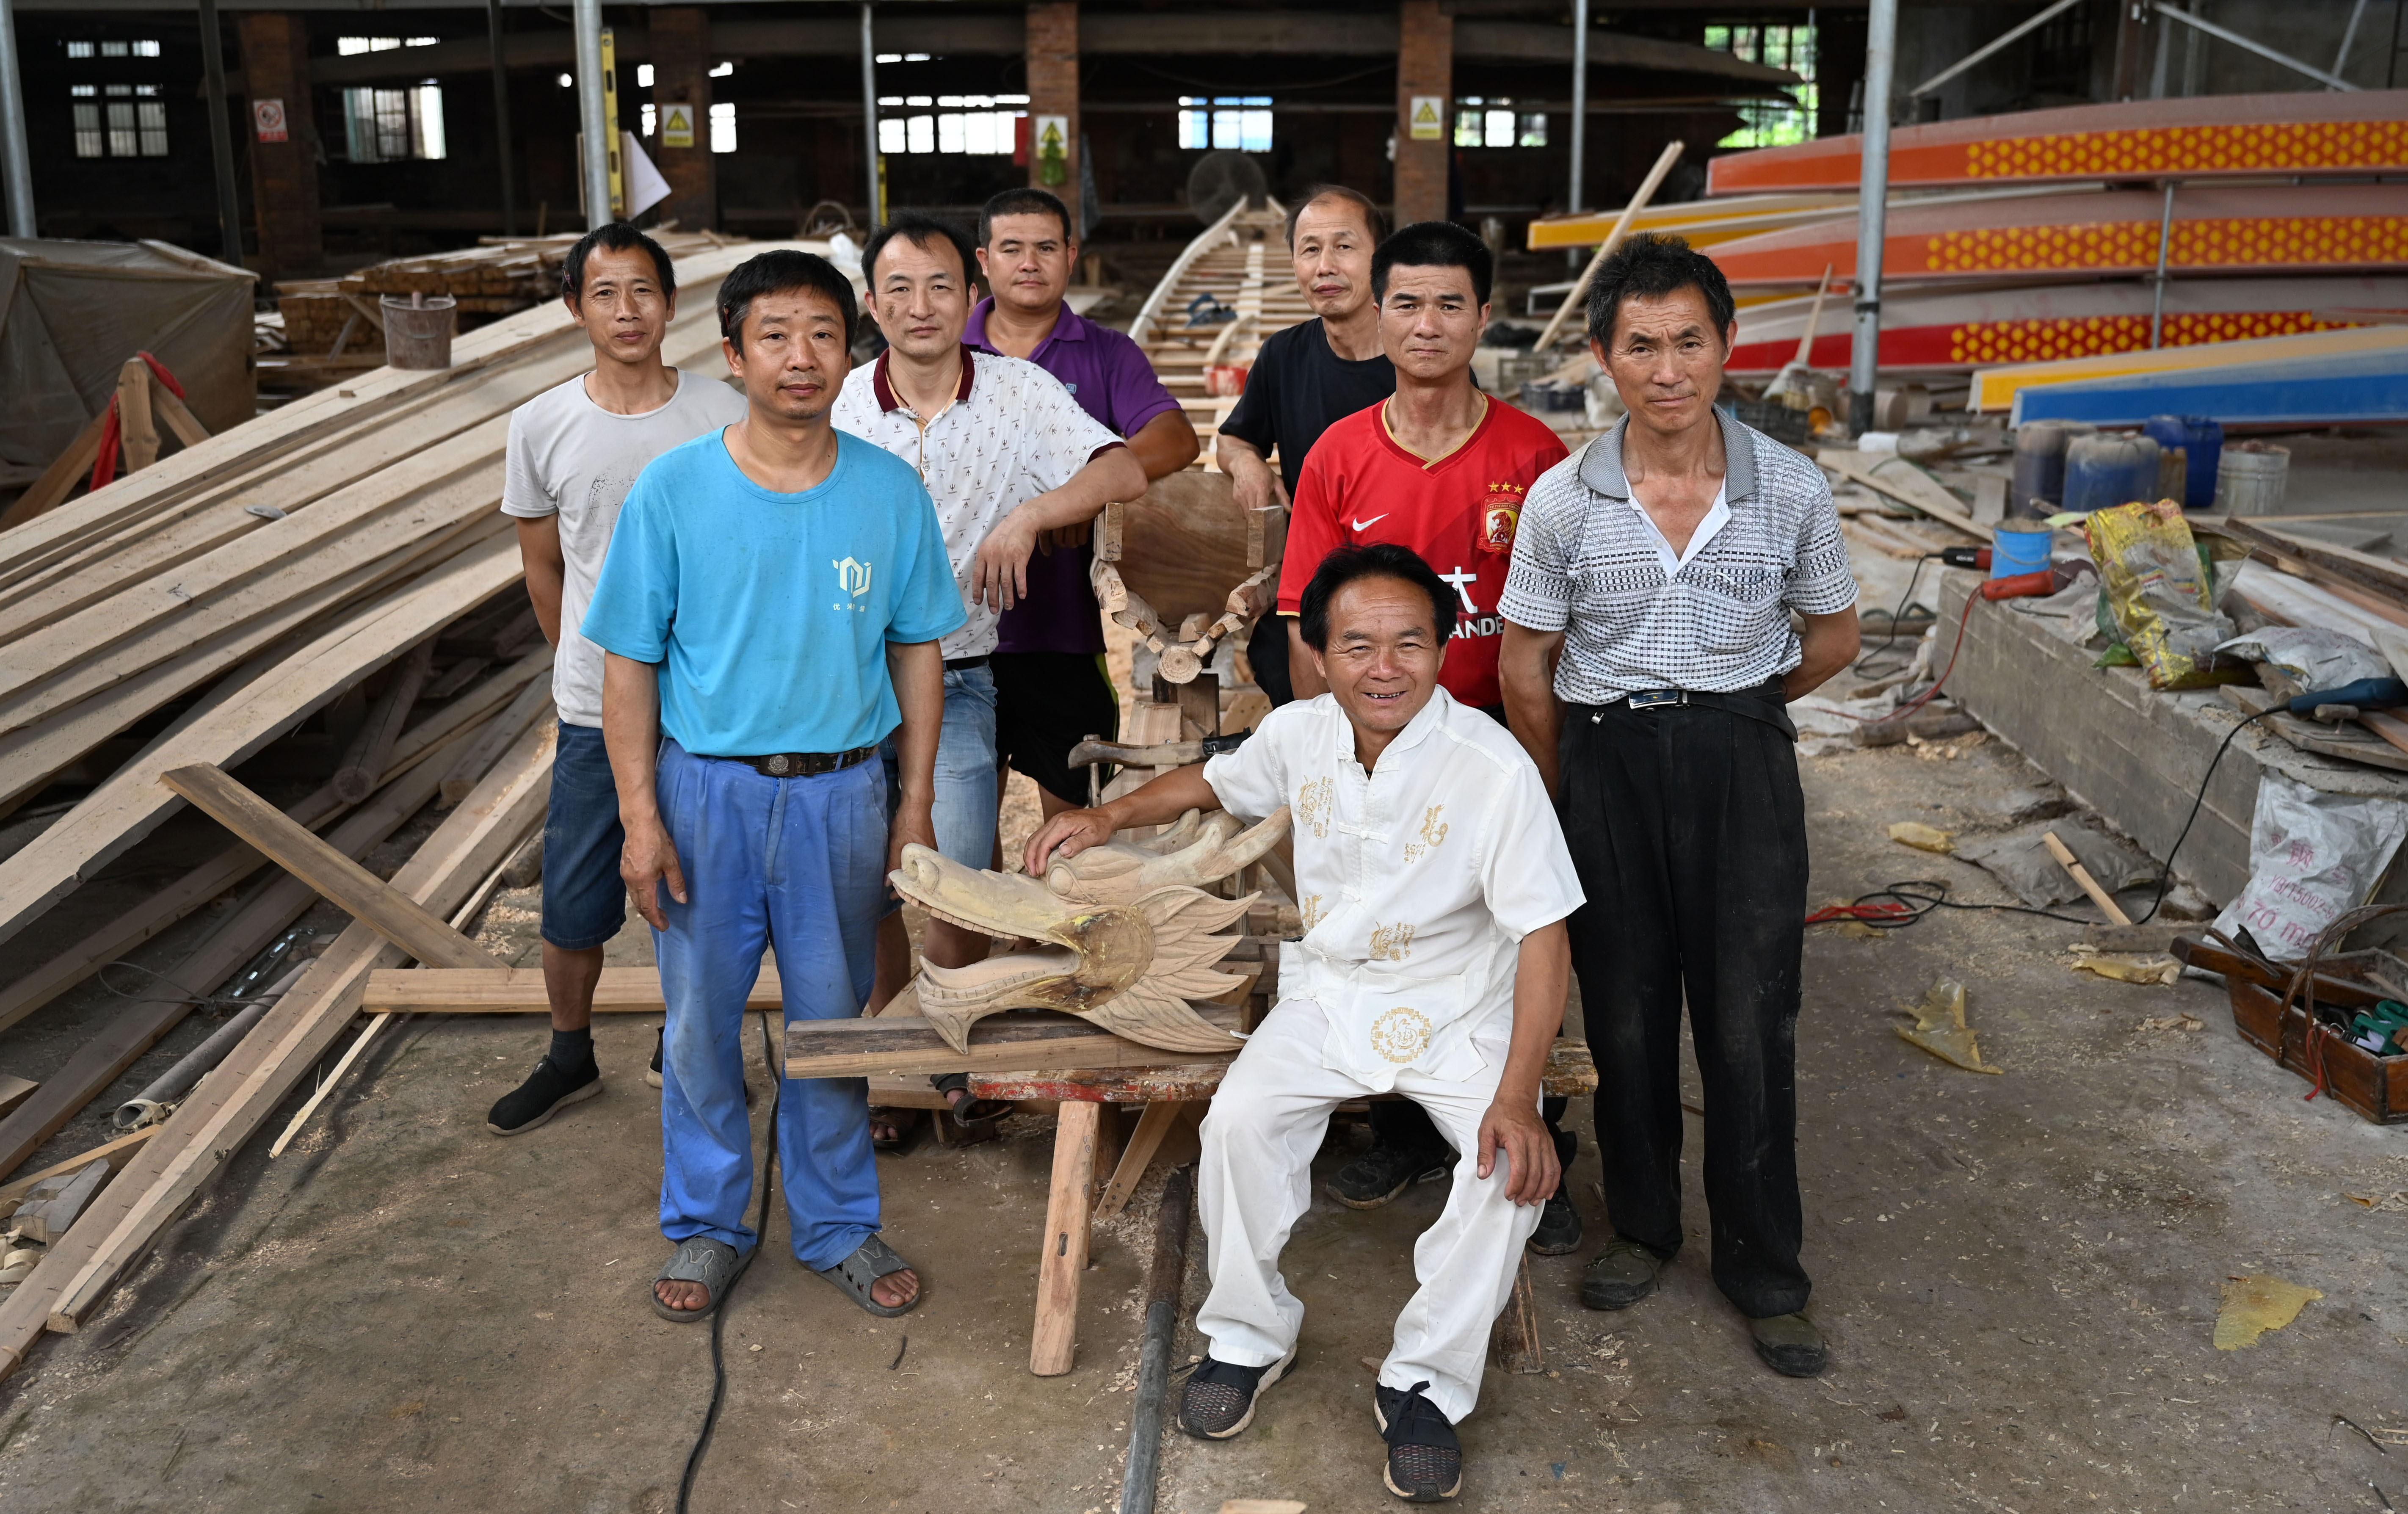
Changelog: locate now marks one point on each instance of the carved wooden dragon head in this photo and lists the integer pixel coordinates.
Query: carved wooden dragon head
(1127, 937)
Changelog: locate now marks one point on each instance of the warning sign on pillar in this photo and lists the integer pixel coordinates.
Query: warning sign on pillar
(1053, 134)
(1427, 118)
(267, 118)
(677, 125)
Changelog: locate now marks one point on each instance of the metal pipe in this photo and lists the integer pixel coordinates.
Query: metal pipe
(870, 116)
(2251, 45)
(221, 136)
(1164, 1285)
(144, 1109)
(2165, 247)
(1873, 206)
(15, 163)
(2348, 35)
(1572, 203)
(594, 170)
(2003, 40)
(502, 120)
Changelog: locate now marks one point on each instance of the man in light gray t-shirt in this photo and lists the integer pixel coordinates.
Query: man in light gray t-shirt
(574, 452)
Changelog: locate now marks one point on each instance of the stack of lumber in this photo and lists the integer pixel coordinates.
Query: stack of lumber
(345, 551)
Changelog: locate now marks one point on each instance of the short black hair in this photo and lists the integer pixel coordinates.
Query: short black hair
(1374, 559)
(774, 273)
(1649, 267)
(1434, 244)
(614, 237)
(1022, 202)
(923, 231)
(1374, 222)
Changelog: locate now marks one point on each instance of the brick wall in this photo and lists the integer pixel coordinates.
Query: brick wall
(1424, 67)
(1054, 89)
(680, 38)
(283, 175)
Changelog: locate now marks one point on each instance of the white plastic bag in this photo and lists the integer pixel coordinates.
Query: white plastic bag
(2312, 855)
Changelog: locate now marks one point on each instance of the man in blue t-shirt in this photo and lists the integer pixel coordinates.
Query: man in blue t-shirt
(771, 610)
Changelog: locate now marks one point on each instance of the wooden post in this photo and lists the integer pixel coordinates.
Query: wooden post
(1152, 1126)
(138, 434)
(1514, 1339)
(1200, 707)
(1054, 1346)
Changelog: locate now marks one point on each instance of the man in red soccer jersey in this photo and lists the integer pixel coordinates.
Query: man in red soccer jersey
(1440, 467)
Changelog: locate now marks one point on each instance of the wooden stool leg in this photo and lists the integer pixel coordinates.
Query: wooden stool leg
(1514, 1339)
(1053, 1345)
(1152, 1126)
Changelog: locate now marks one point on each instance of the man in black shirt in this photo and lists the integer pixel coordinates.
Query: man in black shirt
(1307, 377)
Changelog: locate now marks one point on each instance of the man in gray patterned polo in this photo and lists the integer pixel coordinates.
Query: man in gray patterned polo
(1648, 654)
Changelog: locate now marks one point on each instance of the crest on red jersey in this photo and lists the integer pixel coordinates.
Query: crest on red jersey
(1499, 517)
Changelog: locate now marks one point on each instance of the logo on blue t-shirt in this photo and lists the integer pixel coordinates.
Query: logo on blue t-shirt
(853, 576)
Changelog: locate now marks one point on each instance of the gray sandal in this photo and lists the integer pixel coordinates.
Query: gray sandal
(699, 1260)
(856, 1274)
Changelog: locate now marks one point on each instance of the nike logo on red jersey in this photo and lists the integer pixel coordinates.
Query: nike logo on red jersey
(1361, 524)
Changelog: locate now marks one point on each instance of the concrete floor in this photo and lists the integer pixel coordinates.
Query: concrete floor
(2019, 1274)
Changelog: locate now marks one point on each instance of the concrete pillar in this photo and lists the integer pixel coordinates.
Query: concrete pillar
(682, 77)
(284, 173)
(1054, 92)
(1425, 88)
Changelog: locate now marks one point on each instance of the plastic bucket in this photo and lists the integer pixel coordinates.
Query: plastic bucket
(2102, 472)
(2040, 465)
(419, 335)
(2202, 439)
(2019, 546)
(2250, 477)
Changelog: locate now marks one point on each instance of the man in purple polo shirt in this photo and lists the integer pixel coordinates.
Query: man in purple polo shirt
(1051, 690)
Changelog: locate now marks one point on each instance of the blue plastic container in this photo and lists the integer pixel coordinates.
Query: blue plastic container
(2102, 472)
(2202, 440)
(2019, 546)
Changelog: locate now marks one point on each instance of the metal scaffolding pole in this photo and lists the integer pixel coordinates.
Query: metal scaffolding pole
(869, 114)
(592, 116)
(1872, 205)
(221, 137)
(15, 163)
(501, 120)
(1574, 203)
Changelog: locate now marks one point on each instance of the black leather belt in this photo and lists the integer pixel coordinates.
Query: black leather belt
(955, 664)
(1762, 703)
(803, 764)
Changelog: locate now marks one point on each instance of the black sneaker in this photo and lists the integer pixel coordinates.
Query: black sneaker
(652, 1073)
(1384, 1172)
(1219, 1399)
(1559, 1224)
(547, 1091)
(1425, 1458)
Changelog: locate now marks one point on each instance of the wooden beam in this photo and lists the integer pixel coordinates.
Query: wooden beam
(15, 1091)
(366, 897)
(1053, 1344)
(137, 437)
(1000, 1043)
(59, 480)
(181, 421)
(230, 1104)
(1152, 1126)
(363, 761)
(491, 990)
(532, 702)
(55, 1202)
(115, 1152)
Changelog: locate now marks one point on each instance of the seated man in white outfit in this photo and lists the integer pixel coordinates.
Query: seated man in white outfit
(1435, 885)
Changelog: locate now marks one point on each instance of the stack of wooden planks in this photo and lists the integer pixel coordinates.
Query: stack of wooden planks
(342, 553)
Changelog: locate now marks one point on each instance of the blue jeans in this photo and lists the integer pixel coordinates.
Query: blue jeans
(799, 865)
(968, 793)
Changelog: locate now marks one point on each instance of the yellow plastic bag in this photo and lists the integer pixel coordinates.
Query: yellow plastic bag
(2159, 592)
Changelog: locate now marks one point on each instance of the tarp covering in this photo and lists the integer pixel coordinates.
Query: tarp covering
(71, 313)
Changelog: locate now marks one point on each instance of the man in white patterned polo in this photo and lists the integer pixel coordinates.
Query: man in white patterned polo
(1648, 654)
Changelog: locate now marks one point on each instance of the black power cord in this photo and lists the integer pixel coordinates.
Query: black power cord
(1905, 603)
(719, 1312)
(2166, 878)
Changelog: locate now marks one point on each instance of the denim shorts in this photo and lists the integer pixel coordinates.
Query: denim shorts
(968, 793)
(584, 900)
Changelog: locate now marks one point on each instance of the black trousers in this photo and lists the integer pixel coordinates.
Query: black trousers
(1688, 830)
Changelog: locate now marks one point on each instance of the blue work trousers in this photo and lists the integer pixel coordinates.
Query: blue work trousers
(797, 866)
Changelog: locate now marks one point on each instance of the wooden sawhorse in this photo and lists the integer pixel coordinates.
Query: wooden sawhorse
(1081, 1154)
